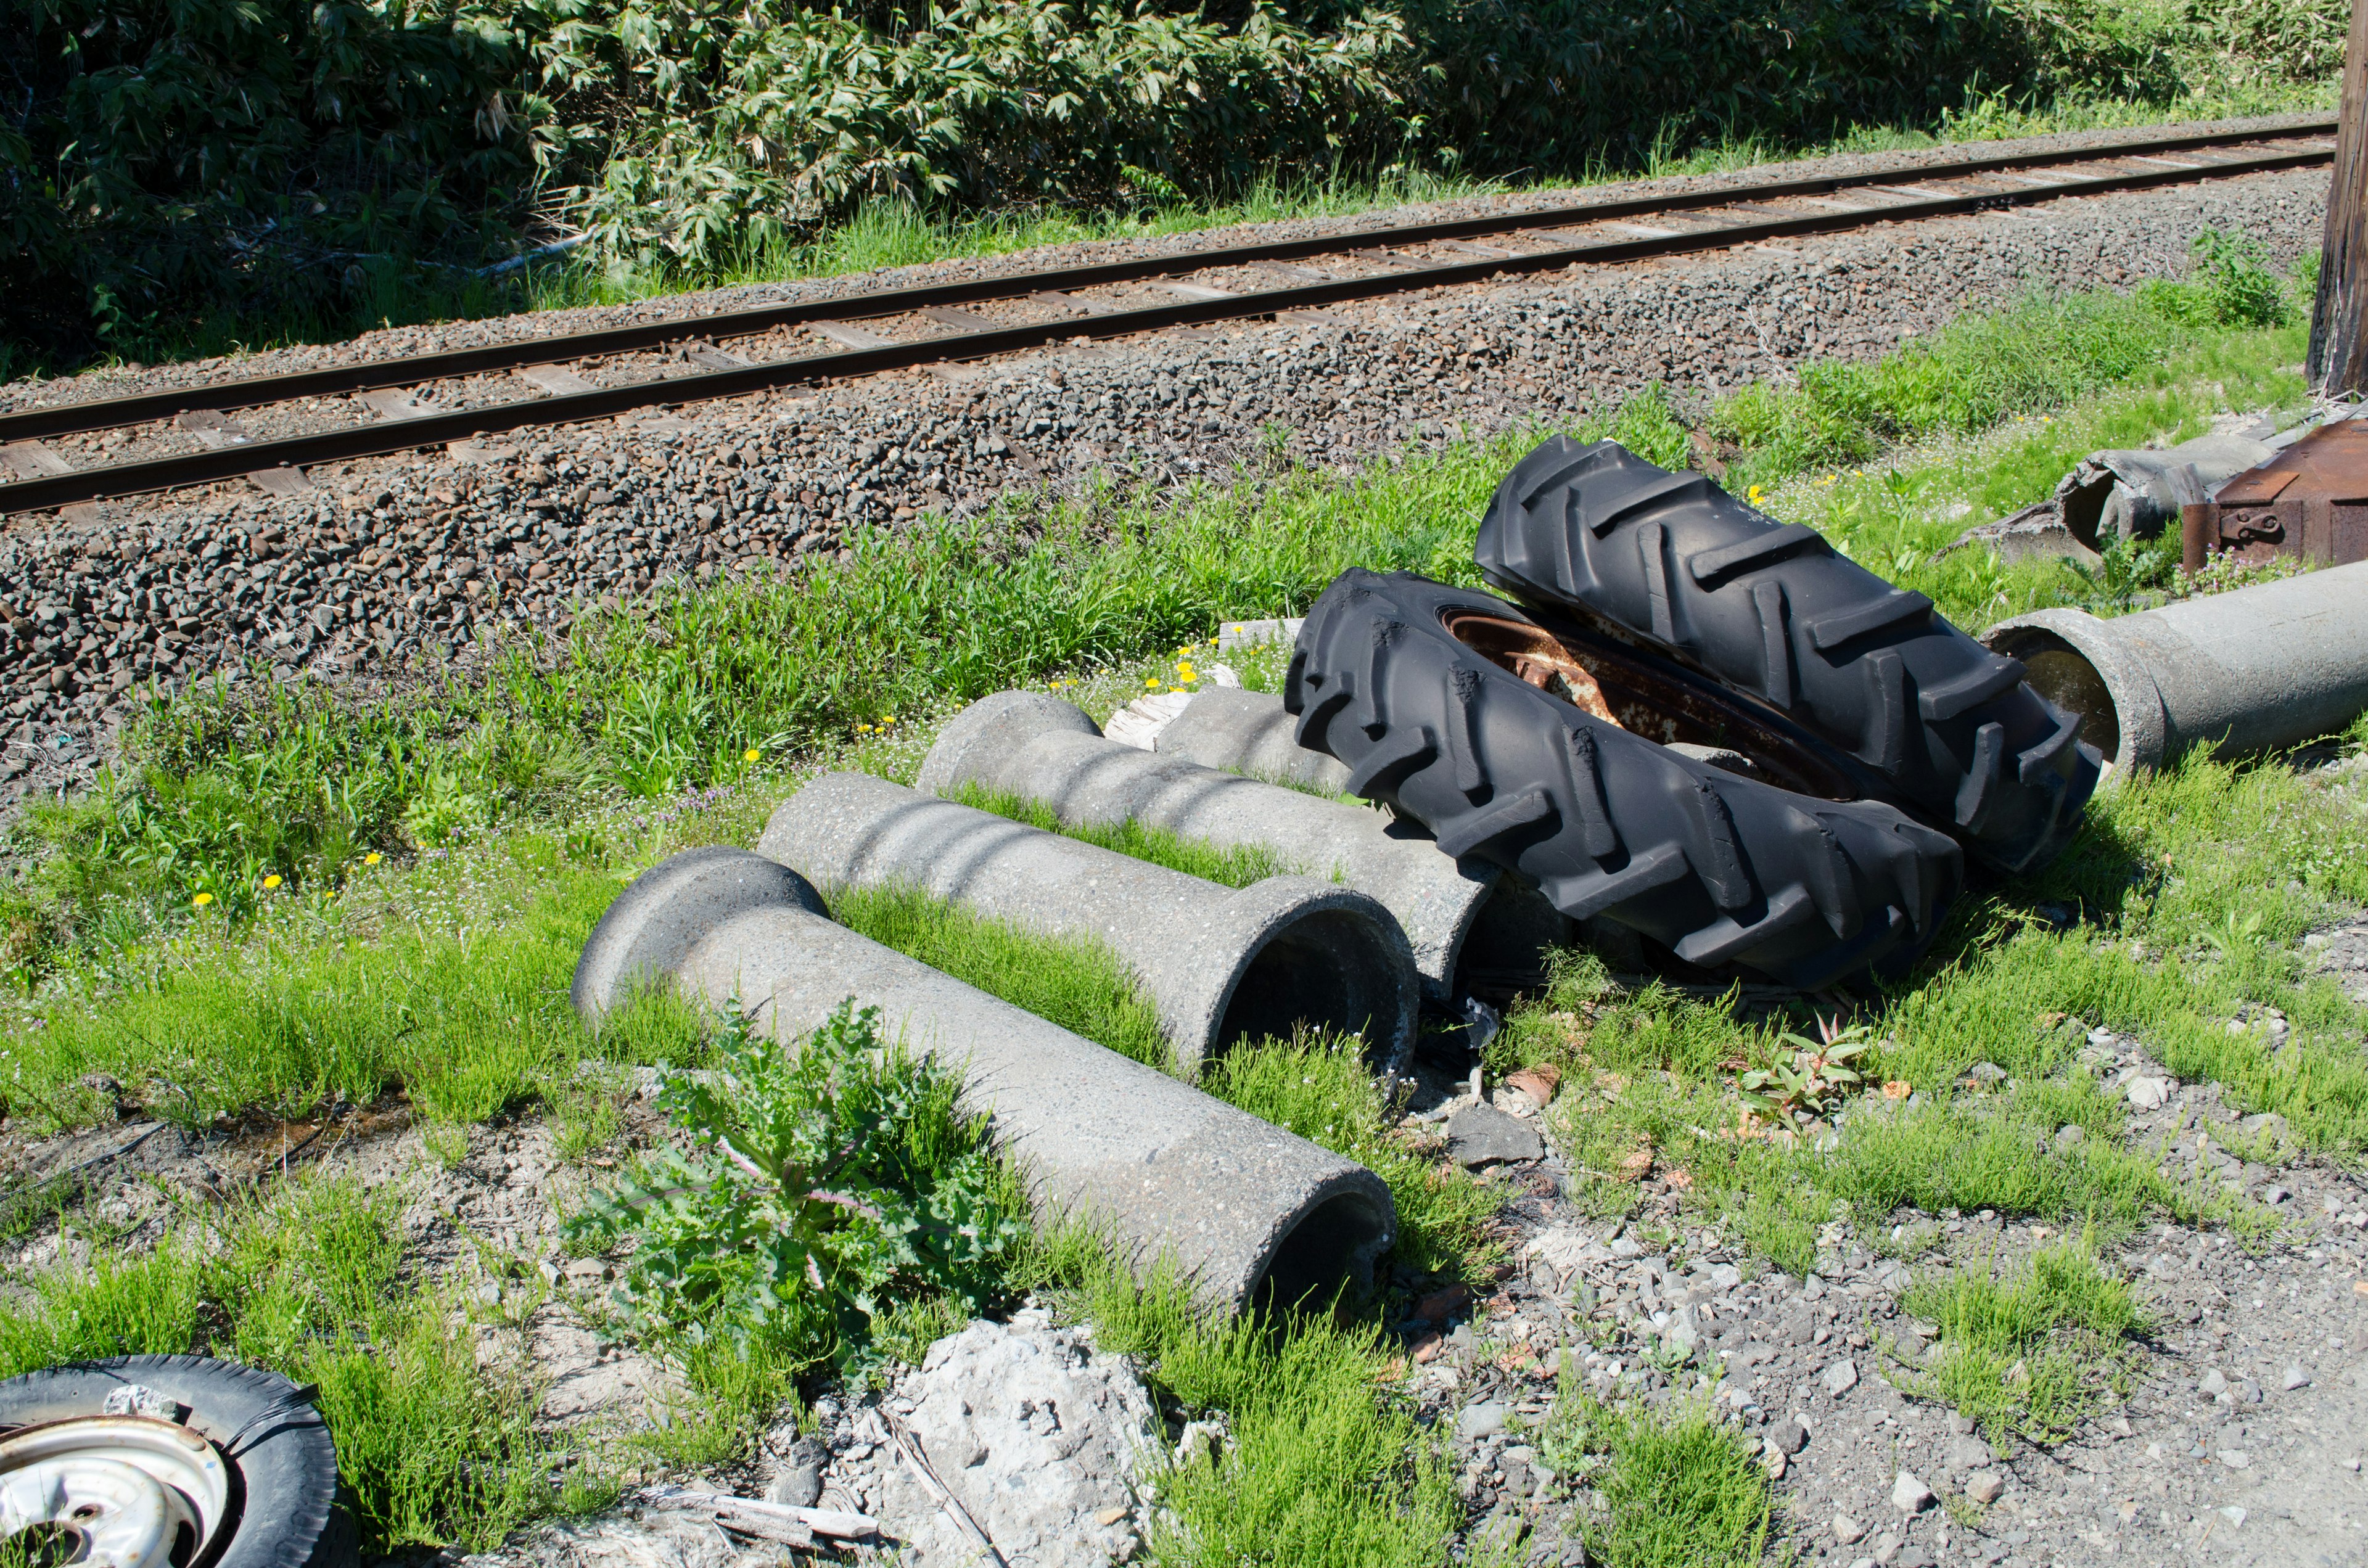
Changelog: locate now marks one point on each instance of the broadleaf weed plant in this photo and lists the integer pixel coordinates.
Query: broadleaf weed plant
(816, 1188)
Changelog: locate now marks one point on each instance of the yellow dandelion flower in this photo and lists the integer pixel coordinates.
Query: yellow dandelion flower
(1152, 681)
(272, 881)
(202, 900)
(1755, 495)
(373, 859)
(749, 756)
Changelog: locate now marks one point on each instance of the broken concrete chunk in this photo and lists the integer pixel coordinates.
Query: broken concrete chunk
(1482, 1135)
(1043, 1442)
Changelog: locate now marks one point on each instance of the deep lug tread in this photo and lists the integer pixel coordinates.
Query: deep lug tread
(1770, 610)
(1722, 863)
(1982, 779)
(1775, 646)
(1718, 944)
(1588, 895)
(1653, 550)
(1607, 823)
(1711, 567)
(1481, 833)
(1886, 712)
(1987, 683)
(1381, 766)
(1596, 834)
(1897, 607)
(1464, 690)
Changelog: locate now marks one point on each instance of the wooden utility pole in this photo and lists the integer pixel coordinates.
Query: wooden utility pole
(2338, 315)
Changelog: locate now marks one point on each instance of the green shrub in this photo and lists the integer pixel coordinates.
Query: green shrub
(842, 1181)
(168, 160)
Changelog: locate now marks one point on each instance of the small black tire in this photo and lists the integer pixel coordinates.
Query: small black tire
(1719, 868)
(1939, 725)
(284, 1510)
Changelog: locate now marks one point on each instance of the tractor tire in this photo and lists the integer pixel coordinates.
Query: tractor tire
(1720, 868)
(283, 1509)
(1934, 723)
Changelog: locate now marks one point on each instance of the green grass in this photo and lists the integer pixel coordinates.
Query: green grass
(1234, 866)
(2029, 1355)
(1674, 1486)
(1079, 986)
(1325, 1462)
(431, 1449)
(468, 1023)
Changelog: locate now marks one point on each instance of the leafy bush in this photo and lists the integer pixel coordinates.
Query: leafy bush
(160, 153)
(167, 160)
(819, 1187)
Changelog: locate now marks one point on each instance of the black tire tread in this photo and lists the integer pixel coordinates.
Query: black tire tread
(1771, 609)
(1720, 868)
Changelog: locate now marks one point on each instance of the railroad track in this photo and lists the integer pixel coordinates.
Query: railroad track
(191, 435)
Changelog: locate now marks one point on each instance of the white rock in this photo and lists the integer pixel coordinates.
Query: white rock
(1042, 1441)
(2295, 1376)
(2149, 1093)
(1840, 1378)
(1910, 1495)
(1139, 723)
(1847, 1530)
(1566, 1248)
(2212, 1384)
(2235, 1516)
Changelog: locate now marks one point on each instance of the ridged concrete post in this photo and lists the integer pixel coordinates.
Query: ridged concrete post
(1251, 1213)
(1218, 964)
(1248, 731)
(2248, 670)
(1453, 913)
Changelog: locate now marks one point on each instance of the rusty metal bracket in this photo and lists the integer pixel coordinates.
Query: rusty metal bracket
(2310, 501)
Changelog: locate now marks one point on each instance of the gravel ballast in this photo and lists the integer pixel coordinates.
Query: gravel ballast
(392, 562)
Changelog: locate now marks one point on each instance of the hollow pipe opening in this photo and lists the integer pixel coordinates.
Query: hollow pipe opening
(2070, 658)
(1334, 1244)
(2057, 672)
(1508, 944)
(1323, 971)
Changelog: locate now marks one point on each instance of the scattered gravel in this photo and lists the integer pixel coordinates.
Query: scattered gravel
(394, 564)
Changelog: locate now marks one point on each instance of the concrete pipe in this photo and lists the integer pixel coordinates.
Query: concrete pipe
(1455, 913)
(1219, 965)
(1248, 731)
(1252, 1214)
(2245, 671)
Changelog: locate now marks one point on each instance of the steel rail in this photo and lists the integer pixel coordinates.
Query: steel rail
(388, 435)
(257, 391)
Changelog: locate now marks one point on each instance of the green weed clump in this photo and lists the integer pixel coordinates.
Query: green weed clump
(1323, 1462)
(1673, 1486)
(843, 1180)
(2030, 1355)
(432, 1450)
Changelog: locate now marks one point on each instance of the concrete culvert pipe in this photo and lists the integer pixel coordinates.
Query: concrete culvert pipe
(1470, 926)
(2245, 671)
(1220, 965)
(1252, 1214)
(1248, 731)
